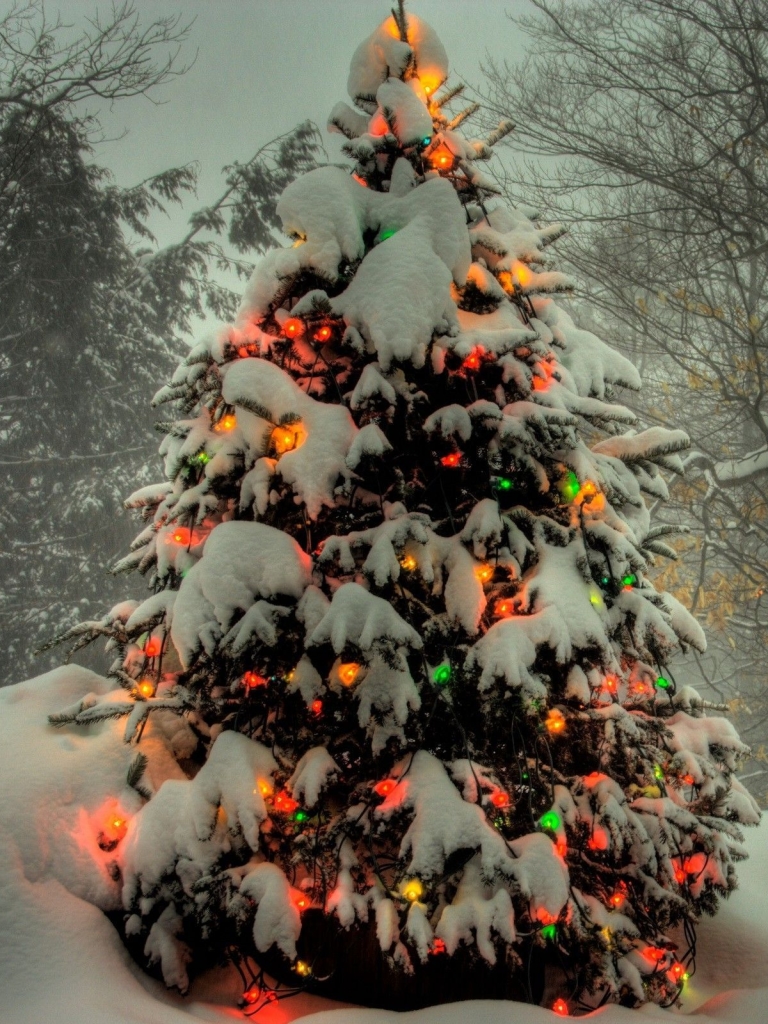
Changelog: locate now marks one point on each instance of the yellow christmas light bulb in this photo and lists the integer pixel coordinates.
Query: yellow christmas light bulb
(303, 968)
(408, 562)
(413, 890)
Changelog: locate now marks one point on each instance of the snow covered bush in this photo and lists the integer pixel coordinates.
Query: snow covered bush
(401, 637)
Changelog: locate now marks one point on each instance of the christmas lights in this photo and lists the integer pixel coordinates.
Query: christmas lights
(293, 327)
(551, 821)
(555, 722)
(153, 646)
(412, 890)
(442, 675)
(348, 673)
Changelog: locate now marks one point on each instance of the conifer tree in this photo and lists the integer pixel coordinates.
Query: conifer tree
(402, 639)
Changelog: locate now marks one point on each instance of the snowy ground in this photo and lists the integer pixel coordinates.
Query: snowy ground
(60, 958)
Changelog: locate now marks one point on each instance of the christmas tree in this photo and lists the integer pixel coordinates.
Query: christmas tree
(405, 726)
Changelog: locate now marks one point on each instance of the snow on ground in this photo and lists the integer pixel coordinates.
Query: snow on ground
(61, 959)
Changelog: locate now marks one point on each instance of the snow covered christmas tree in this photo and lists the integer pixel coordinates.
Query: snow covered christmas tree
(401, 641)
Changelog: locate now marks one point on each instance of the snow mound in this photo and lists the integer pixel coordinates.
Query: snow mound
(56, 944)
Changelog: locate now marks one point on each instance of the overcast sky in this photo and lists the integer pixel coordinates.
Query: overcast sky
(264, 65)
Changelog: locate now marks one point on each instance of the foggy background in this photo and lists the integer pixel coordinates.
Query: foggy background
(655, 270)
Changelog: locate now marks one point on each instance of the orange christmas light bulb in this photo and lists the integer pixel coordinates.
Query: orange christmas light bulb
(146, 688)
(182, 535)
(286, 439)
(504, 608)
(323, 333)
(408, 562)
(293, 327)
(348, 672)
(441, 158)
(484, 573)
(226, 423)
(555, 722)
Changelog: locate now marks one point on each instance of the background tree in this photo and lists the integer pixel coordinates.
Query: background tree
(656, 111)
(89, 302)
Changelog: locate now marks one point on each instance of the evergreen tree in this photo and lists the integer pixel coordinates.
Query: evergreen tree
(401, 639)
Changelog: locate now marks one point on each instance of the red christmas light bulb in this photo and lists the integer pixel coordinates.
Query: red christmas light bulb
(293, 327)
(617, 899)
(385, 787)
(688, 780)
(301, 902)
(253, 995)
(452, 460)
(560, 1007)
(500, 798)
(438, 946)
(677, 970)
(316, 707)
(322, 333)
(153, 646)
(182, 535)
(252, 680)
(284, 803)
(504, 608)
(475, 359)
(561, 847)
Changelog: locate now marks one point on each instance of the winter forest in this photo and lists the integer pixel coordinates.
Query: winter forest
(384, 536)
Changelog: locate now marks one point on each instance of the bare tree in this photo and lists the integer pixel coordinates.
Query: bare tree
(656, 112)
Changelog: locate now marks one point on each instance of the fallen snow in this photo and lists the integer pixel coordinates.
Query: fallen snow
(61, 959)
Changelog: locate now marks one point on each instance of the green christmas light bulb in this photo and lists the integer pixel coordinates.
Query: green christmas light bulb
(551, 821)
(549, 931)
(203, 458)
(300, 816)
(662, 683)
(570, 486)
(629, 580)
(657, 772)
(442, 675)
(384, 235)
(504, 484)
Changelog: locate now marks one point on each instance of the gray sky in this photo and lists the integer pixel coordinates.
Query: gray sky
(264, 65)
